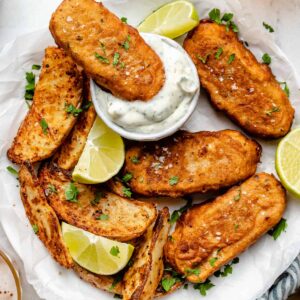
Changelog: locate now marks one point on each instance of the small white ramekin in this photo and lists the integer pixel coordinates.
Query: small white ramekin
(137, 136)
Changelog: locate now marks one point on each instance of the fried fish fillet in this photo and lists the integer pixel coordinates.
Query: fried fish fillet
(225, 227)
(110, 51)
(238, 84)
(127, 218)
(69, 153)
(191, 162)
(47, 123)
(42, 216)
(143, 277)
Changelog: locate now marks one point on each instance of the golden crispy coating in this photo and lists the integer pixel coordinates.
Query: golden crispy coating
(191, 162)
(70, 151)
(42, 216)
(128, 218)
(225, 227)
(143, 277)
(110, 51)
(244, 89)
(47, 123)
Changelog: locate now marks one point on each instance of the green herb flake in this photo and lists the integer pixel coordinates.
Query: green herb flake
(268, 27)
(274, 109)
(51, 189)
(227, 17)
(266, 59)
(215, 15)
(29, 88)
(186, 286)
(44, 126)
(103, 217)
(203, 287)
(236, 227)
(35, 228)
(103, 48)
(192, 272)
(135, 160)
(118, 278)
(122, 65)
(227, 268)
(36, 67)
(285, 88)
(127, 192)
(219, 53)
(167, 283)
(116, 58)
(177, 213)
(87, 106)
(278, 229)
(71, 109)
(204, 58)
(71, 193)
(126, 44)
(101, 58)
(238, 196)
(97, 198)
(231, 58)
(212, 261)
(124, 20)
(173, 180)
(114, 251)
(127, 177)
(12, 171)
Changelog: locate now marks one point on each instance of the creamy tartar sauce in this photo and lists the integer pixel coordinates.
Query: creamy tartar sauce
(168, 106)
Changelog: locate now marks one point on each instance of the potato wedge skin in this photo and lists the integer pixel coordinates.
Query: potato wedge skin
(237, 83)
(43, 216)
(186, 163)
(87, 30)
(142, 278)
(60, 84)
(226, 226)
(127, 218)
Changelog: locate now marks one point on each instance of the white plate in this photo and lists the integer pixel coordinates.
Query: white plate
(258, 267)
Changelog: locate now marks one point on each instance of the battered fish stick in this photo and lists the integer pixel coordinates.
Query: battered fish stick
(191, 162)
(238, 84)
(208, 236)
(110, 51)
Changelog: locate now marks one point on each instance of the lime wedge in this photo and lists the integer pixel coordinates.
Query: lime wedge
(171, 20)
(288, 162)
(102, 156)
(95, 253)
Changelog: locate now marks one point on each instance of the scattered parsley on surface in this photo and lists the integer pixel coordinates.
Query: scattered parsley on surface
(177, 213)
(127, 192)
(192, 272)
(203, 59)
(51, 189)
(124, 20)
(35, 228)
(101, 58)
(29, 88)
(97, 198)
(227, 269)
(278, 229)
(12, 170)
(212, 261)
(36, 67)
(231, 58)
(103, 217)
(274, 109)
(219, 53)
(203, 287)
(285, 88)
(215, 15)
(71, 193)
(268, 27)
(116, 58)
(135, 160)
(71, 109)
(114, 251)
(238, 196)
(266, 59)
(173, 180)
(127, 177)
(44, 126)
(167, 283)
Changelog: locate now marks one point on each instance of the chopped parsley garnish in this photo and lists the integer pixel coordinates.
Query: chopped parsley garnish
(103, 217)
(278, 229)
(114, 251)
(219, 53)
(173, 180)
(117, 279)
(135, 159)
(97, 198)
(71, 193)
(238, 196)
(268, 27)
(122, 65)
(116, 58)
(35, 228)
(29, 88)
(212, 261)
(186, 286)
(192, 272)
(126, 44)
(71, 109)
(203, 59)
(203, 287)
(227, 268)
(236, 227)
(36, 67)
(286, 88)
(12, 171)
(87, 106)
(101, 58)
(215, 15)
(266, 59)
(231, 58)
(51, 189)
(167, 283)
(274, 109)
(124, 20)
(127, 177)
(127, 192)
(103, 47)
(177, 213)
(44, 126)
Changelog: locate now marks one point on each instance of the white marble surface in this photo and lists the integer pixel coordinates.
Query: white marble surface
(21, 16)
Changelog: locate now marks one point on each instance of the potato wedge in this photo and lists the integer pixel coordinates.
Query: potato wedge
(42, 216)
(128, 218)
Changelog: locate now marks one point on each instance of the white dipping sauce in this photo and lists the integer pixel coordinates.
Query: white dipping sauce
(168, 106)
